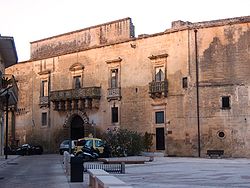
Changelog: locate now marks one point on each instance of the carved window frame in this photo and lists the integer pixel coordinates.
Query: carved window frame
(77, 70)
(159, 61)
(44, 78)
(114, 65)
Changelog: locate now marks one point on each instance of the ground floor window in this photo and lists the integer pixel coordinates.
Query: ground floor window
(44, 118)
(114, 114)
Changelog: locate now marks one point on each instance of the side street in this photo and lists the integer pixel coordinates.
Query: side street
(162, 172)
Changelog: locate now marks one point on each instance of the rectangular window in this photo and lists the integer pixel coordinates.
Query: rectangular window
(114, 78)
(114, 114)
(225, 102)
(159, 74)
(184, 82)
(44, 118)
(44, 88)
(77, 82)
(159, 117)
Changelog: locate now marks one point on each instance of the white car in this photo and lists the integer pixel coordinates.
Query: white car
(64, 146)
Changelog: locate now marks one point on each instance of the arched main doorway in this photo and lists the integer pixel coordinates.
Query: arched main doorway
(76, 128)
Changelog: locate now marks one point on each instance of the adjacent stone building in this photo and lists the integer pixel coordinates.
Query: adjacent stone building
(103, 77)
(8, 88)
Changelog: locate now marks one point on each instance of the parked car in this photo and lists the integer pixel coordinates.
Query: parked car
(10, 150)
(96, 144)
(88, 154)
(64, 146)
(27, 149)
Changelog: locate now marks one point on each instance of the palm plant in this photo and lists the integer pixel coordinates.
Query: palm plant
(5, 81)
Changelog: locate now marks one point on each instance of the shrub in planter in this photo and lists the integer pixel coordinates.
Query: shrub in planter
(123, 142)
(148, 141)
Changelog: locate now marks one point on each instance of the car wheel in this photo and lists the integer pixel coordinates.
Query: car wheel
(87, 158)
(61, 152)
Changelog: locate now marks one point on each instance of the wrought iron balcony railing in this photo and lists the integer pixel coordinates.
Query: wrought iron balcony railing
(157, 89)
(75, 94)
(114, 93)
(44, 100)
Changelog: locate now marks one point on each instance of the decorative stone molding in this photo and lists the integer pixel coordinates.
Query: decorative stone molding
(153, 57)
(114, 60)
(70, 115)
(44, 72)
(76, 67)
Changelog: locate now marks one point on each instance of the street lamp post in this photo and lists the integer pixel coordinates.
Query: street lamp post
(7, 95)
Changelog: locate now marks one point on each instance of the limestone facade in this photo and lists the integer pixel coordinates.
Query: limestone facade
(8, 89)
(103, 77)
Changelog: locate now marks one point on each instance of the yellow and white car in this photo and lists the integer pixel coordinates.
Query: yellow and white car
(95, 143)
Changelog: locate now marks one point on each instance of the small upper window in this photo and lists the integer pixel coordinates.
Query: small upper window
(44, 88)
(114, 78)
(159, 74)
(77, 82)
(225, 102)
(184, 82)
(159, 117)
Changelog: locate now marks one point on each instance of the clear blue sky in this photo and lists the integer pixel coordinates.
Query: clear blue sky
(30, 20)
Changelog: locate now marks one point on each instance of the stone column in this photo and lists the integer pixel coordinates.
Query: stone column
(81, 104)
(69, 105)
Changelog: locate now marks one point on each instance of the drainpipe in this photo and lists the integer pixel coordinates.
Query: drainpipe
(197, 91)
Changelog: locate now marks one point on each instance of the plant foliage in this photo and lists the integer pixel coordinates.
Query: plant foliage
(123, 142)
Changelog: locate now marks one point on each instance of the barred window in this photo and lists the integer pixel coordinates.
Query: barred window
(44, 118)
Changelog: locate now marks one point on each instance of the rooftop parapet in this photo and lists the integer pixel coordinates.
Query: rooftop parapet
(180, 25)
(104, 34)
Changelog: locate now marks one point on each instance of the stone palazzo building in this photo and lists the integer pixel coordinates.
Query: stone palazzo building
(189, 86)
(8, 90)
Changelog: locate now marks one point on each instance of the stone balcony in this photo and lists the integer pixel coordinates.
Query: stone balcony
(158, 89)
(75, 99)
(8, 85)
(44, 101)
(114, 94)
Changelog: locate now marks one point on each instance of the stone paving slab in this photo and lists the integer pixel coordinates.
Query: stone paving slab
(9, 159)
(166, 172)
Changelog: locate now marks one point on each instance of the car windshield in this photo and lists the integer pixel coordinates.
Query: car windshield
(99, 143)
(89, 143)
(65, 142)
(81, 142)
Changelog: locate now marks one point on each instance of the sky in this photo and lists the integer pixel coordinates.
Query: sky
(31, 20)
